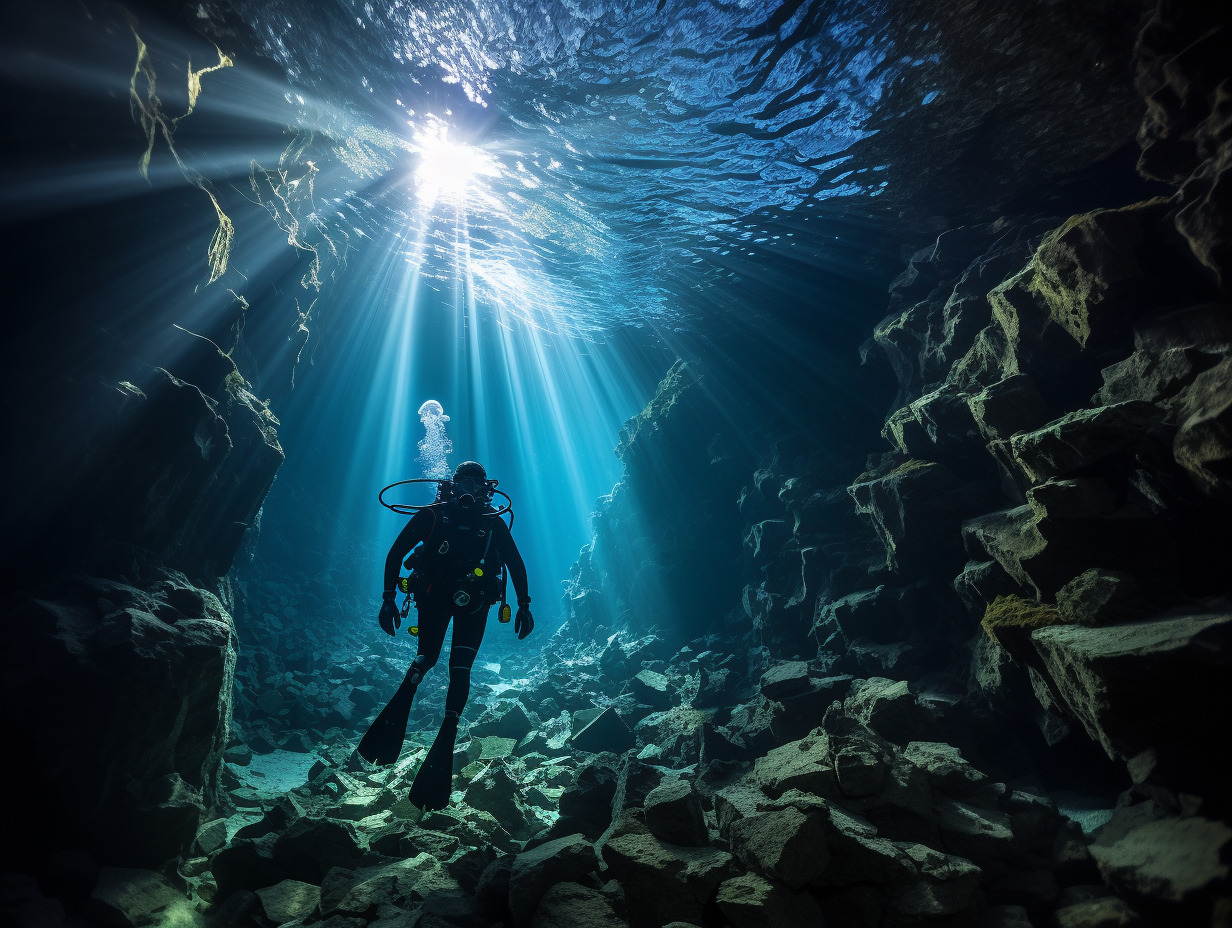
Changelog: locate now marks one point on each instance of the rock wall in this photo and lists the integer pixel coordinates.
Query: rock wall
(121, 649)
(1035, 572)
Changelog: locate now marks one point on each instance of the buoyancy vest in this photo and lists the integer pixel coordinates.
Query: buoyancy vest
(458, 557)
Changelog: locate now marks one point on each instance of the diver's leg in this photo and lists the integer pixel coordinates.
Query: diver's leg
(383, 742)
(434, 782)
(467, 636)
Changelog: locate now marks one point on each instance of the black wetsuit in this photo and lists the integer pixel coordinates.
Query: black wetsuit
(434, 597)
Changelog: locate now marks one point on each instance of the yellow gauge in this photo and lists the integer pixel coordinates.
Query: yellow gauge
(413, 630)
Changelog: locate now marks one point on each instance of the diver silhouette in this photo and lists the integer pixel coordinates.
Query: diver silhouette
(462, 551)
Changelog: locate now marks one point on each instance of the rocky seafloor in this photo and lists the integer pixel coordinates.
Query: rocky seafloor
(976, 675)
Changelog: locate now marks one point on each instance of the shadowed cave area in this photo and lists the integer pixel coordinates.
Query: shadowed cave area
(859, 375)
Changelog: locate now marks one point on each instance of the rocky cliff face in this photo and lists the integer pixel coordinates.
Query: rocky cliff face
(120, 650)
(1033, 574)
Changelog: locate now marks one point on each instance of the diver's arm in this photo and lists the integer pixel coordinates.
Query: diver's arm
(513, 561)
(415, 531)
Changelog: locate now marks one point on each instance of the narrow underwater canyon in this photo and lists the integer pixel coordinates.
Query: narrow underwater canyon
(906, 600)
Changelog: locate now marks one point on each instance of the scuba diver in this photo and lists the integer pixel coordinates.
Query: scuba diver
(462, 552)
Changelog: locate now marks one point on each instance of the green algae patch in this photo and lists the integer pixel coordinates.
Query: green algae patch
(1015, 614)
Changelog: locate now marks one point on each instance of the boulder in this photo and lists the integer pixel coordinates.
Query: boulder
(1109, 912)
(403, 884)
(569, 905)
(564, 860)
(1133, 685)
(784, 845)
(664, 882)
(504, 719)
(946, 769)
(605, 732)
(155, 664)
(496, 792)
(945, 886)
(805, 765)
(586, 803)
(1171, 859)
(289, 901)
(750, 901)
(136, 898)
(674, 814)
(890, 709)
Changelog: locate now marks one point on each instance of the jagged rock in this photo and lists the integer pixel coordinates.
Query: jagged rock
(567, 859)
(806, 765)
(664, 882)
(1203, 442)
(568, 905)
(1066, 524)
(1132, 685)
(786, 845)
(652, 689)
(155, 664)
(401, 884)
(505, 719)
(1089, 273)
(675, 732)
(984, 836)
(900, 658)
(891, 709)
(1111, 912)
(1083, 439)
(136, 898)
(674, 814)
(1170, 351)
(946, 886)
(606, 732)
(1100, 597)
(586, 804)
(491, 747)
(784, 679)
(947, 770)
(289, 901)
(751, 726)
(492, 889)
(499, 794)
(1171, 859)
(1008, 406)
(749, 901)
(884, 614)
(916, 510)
(448, 909)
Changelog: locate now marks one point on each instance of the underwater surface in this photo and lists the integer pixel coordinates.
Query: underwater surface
(858, 376)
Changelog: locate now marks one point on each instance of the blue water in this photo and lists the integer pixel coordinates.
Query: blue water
(523, 210)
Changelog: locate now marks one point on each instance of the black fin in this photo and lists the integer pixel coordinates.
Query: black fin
(434, 782)
(383, 742)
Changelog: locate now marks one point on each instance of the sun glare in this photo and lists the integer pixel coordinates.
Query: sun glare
(449, 172)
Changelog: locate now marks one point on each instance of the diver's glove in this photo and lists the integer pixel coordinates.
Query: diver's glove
(389, 618)
(523, 622)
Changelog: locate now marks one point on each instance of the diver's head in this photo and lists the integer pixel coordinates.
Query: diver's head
(470, 483)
